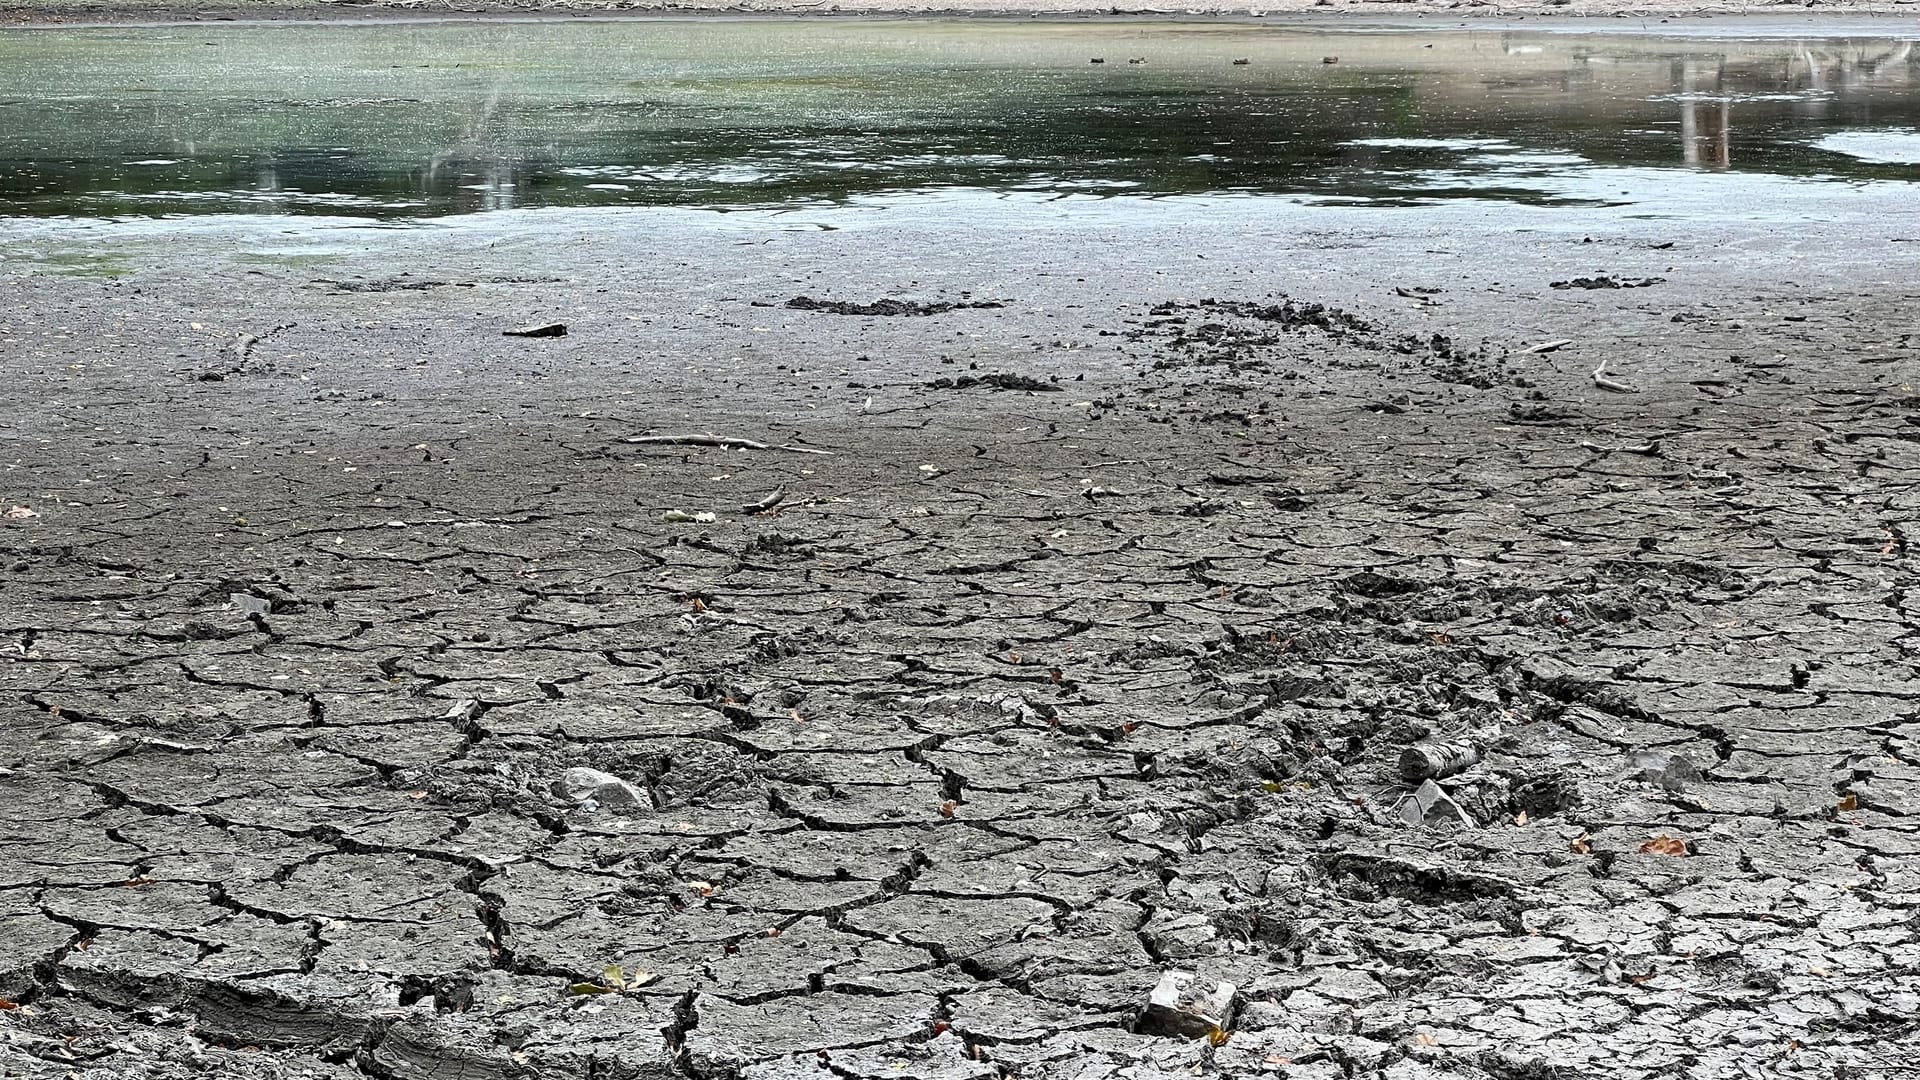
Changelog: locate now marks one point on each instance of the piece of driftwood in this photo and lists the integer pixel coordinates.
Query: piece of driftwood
(724, 442)
(1600, 380)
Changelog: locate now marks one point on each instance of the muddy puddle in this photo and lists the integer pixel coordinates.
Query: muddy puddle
(436, 119)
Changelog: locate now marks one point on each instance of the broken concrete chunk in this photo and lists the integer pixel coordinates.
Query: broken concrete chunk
(249, 604)
(1182, 1005)
(1434, 760)
(583, 784)
(1430, 805)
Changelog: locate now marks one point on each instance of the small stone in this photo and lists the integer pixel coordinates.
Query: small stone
(1183, 1006)
(249, 604)
(1672, 772)
(1431, 805)
(581, 784)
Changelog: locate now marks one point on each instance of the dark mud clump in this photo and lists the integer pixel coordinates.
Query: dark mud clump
(997, 381)
(888, 307)
(1606, 281)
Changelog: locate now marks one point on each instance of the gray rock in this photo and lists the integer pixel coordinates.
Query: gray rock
(581, 784)
(1670, 771)
(1184, 1006)
(1430, 805)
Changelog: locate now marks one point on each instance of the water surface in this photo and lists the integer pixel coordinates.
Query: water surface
(432, 119)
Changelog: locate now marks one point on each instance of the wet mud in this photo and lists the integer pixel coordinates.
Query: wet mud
(379, 710)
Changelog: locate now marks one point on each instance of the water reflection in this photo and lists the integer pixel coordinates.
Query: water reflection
(460, 118)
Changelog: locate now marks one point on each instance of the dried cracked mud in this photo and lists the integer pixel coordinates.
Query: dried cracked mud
(1012, 702)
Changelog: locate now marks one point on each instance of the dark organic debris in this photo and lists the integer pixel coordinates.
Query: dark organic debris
(887, 306)
(1606, 281)
(997, 381)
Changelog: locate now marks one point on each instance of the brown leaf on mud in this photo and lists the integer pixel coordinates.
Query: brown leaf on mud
(1851, 802)
(19, 513)
(1664, 845)
(947, 808)
(7, 1006)
(1580, 845)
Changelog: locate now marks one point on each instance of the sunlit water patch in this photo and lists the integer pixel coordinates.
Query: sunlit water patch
(414, 121)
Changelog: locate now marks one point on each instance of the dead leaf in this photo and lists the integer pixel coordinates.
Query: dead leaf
(1580, 845)
(1425, 1039)
(1520, 818)
(7, 1006)
(19, 513)
(1851, 802)
(947, 808)
(1664, 845)
(578, 989)
(1219, 1036)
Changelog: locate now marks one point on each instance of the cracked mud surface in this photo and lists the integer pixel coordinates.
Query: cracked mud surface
(1015, 701)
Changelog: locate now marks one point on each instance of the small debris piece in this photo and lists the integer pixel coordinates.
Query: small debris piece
(1672, 772)
(1601, 380)
(1665, 845)
(1431, 805)
(778, 496)
(249, 604)
(998, 381)
(1436, 760)
(1329, 59)
(20, 513)
(552, 329)
(704, 517)
(582, 784)
(1550, 346)
(1181, 1006)
(724, 442)
(1605, 281)
(887, 306)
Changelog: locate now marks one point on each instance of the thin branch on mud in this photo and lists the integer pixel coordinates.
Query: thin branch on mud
(767, 504)
(725, 442)
(1651, 449)
(1600, 380)
(244, 344)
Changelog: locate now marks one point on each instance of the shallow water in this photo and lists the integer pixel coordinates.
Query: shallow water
(432, 119)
